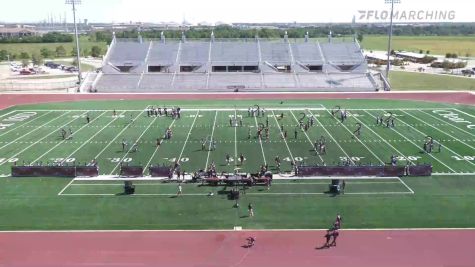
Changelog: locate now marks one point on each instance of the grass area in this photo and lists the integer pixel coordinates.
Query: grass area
(421, 81)
(437, 45)
(34, 203)
(36, 47)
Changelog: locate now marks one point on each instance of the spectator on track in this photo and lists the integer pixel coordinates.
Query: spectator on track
(250, 241)
(335, 234)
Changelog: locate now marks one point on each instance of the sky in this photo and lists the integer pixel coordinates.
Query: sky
(212, 11)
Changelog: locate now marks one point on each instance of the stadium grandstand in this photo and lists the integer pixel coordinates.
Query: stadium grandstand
(223, 65)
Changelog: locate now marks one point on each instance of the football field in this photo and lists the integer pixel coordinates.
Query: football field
(209, 133)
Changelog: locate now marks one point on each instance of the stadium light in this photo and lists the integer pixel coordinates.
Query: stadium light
(390, 34)
(78, 57)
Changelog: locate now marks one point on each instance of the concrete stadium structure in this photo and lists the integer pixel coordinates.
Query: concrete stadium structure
(226, 65)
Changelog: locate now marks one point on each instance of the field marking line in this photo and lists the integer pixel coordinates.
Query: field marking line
(28, 122)
(156, 149)
(367, 148)
(453, 174)
(123, 130)
(188, 109)
(87, 142)
(458, 140)
(44, 137)
(212, 136)
(409, 188)
(64, 188)
(331, 136)
(8, 113)
(410, 141)
(282, 136)
(247, 193)
(260, 141)
(133, 145)
(159, 183)
(294, 107)
(231, 230)
(64, 140)
(308, 138)
(445, 146)
(188, 136)
(448, 123)
(380, 137)
(235, 141)
(463, 112)
(30, 132)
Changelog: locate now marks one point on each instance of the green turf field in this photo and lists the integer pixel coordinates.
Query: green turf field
(31, 134)
(403, 81)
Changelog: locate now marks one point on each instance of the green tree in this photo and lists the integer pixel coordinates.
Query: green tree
(37, 59)
(360, 37)
(3, 55)
(25, 62)
(75, 62)
(46, 53)
(24, 55)
(60, 51)
(96, 51)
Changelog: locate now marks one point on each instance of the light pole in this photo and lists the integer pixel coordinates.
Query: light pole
(78, 57)
(390, 34)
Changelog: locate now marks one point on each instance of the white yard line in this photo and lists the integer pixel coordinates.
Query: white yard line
(308, 138)
(29, 132)
(410, 189)
(321, 193)
(159, 183)
(453, 174)
(367, 148)
(193, 109)
(444, 132)
(36, 142)
(235, 141)
(156, 150)
(401, 154)
(247, 193)
(446, 147)
(231, 230)
(21, 125)
(403, 136)
(331, 136)
(282, 136)
(64, 188)
(448, 123)
(87, 142)
(58, 144)
(188, 136)
(260, 141)
(117, 136)
(212, 136)
(133, 145)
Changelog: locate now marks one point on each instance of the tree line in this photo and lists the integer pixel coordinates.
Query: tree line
(52, 37)
(314, 32)
(43, 53)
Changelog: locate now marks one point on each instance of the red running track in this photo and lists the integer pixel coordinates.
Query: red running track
(7, 100)
(394, 248)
